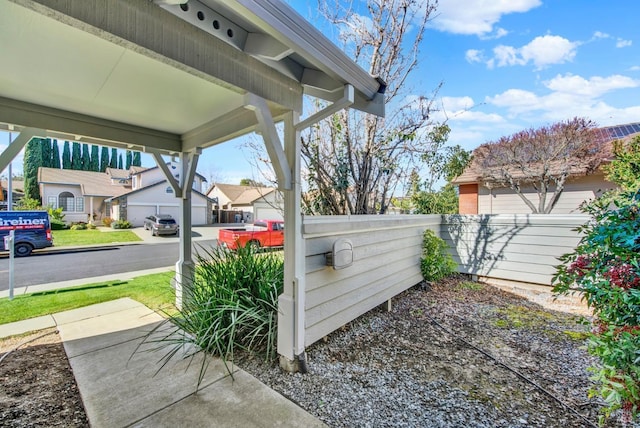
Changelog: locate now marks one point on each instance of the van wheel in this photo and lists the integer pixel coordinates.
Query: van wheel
(22, 249)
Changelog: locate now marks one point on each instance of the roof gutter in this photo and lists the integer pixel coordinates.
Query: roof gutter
(293, 30)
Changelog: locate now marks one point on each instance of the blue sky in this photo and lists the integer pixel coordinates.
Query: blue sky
(505, 65)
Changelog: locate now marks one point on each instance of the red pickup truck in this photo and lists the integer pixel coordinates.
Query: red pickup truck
(263, 233)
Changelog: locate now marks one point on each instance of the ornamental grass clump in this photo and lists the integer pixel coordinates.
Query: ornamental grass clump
(605, 268)
(231, 305)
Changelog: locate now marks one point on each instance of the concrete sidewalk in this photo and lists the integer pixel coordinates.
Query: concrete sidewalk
(122, 387)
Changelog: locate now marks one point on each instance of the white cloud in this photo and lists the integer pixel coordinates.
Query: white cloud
(635, 68)
(570, 96)
(600, 35)
(621, 43)
(464, 109)
(541, 51)
(474, 55)
(592, 88)
(479, 16)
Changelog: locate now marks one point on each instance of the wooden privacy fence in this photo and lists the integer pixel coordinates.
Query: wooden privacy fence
(387, 250)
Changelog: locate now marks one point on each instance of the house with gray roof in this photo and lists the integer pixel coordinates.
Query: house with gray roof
(130, 195)
(248, 202)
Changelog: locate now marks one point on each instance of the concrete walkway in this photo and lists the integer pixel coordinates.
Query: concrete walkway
(123, 386)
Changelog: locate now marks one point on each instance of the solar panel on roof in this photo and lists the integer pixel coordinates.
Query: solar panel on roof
(636, 127)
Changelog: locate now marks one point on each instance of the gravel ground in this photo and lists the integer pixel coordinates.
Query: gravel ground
(439, 358)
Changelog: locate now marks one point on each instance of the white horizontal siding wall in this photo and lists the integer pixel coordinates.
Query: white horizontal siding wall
(522, 248)
(386, 252)
(576, 191)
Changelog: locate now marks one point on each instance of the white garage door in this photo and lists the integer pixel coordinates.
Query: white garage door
(264, 213)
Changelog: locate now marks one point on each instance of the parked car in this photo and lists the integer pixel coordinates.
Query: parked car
(161, 224)
(263, 233)
(32, 231)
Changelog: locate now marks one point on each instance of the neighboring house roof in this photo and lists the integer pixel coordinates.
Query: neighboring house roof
(473, 173)
(242, 195)
(91, 183)
(158, 183)
(138, 169)
(16, 185)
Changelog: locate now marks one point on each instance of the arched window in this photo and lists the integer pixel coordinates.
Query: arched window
(70, 203)
(66, 200)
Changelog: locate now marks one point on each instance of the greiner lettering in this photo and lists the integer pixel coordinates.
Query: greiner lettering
(22, 222)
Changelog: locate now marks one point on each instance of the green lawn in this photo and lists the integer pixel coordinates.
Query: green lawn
(154, 291)
(62, 238)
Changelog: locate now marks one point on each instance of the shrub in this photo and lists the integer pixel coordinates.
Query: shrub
(107, 221)
(232, 304)
(120, 224)
(436, 262)
(55, 213)
(57, 224)
(605, 268)
(91, 226)
(79, 225)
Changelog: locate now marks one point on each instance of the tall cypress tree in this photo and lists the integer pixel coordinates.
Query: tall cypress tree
(66, 156)
(94, 164)
(76, 156)
(120, 161)
(86, 158)
(129, 159)
(104, 158)
(45, 148)
(137, 161)
(31, 163)
(55, 155)
(113, 163)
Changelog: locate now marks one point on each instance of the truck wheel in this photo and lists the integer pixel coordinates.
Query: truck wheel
(255, 245)
(22, 249)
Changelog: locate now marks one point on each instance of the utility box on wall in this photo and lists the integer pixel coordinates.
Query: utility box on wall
(341, 255)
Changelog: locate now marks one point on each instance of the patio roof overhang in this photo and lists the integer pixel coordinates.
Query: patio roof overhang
(156, 76)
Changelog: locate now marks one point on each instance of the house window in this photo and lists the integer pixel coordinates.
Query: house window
(169, 189)
(52, 201)
(70, 203)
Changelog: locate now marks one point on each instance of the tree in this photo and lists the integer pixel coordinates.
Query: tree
(251, 183)
(76, 156)
(55, 155)
(45, 147)
(31, 162)
(66, 156)
(104, 159)
(137, 161)
(94, 163)
(86, 158)
(113, 163)
(356, 160)
(446, 163)
(129, 160)
(625, 168)
(542, 158)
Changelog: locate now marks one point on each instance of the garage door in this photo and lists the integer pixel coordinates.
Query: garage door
(264, 213)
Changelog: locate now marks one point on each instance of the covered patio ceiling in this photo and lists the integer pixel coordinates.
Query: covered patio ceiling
(165, 77)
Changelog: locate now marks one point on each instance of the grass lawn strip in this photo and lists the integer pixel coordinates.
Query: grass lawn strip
(63, 238)
(154, 291)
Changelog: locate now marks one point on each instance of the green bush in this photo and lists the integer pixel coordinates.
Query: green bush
(232, 304)
(91, 226)
(57, 224)
(121, 224)
(79, 225)
(605, 268)
(436, 262)
(55, 213)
